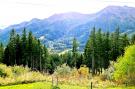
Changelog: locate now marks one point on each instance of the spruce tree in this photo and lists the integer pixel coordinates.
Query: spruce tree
(18, 50)
(106, 50)
(24, 47)
(115, 44)
(1, 52)
(45, 60)
(124, 42)
(99, 50)
(30, 49)
(133, 39)
(7, 58)
(93, 47)
(12, 49)
(74, 51)
(90, 52)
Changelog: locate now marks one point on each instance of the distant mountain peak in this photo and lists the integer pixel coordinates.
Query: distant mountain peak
(35, 19)
(118, 8)
(68, 15)
(119, 11)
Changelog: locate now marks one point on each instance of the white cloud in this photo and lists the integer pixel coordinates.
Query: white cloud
(16, 11)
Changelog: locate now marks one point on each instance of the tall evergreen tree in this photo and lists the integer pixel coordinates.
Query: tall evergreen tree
(93, 46)
(124, 41)
(106, 50)
(7, 58)
(1, 52)
(18, 50)
(12, 48)
(115, 44)
(133, 39)
(74, 51)
(45, 60)
(89, 52)
(24, 47)
(30, 49)
(99, 50)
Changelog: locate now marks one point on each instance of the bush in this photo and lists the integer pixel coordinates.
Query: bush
(108, 73)
(83, 71)
(74, 73)
(63, 71)
(125, 67)
(19, 74)
(18, 70)
(5, 71)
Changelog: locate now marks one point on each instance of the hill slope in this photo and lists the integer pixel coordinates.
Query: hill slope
(58, 30)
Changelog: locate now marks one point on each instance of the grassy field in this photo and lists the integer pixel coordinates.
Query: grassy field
(47, 85)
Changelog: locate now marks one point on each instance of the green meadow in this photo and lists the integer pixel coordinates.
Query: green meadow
(48, 85)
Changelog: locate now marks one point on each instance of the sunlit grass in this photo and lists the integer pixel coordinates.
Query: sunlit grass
(48, 85)
(41, 85)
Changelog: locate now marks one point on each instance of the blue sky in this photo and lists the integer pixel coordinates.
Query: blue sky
(16, 11)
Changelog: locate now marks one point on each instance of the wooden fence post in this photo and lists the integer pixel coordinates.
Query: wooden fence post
(91, 85)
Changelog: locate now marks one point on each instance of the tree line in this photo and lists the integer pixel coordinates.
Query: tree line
(100, 49)
(103, 47)
(24, 50)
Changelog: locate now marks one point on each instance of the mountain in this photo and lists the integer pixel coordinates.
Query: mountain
(58, 30)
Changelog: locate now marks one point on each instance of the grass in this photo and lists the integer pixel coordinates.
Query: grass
(40, 85)
(123, 88)
(47, 85)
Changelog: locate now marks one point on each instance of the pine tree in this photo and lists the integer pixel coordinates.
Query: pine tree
(12, 49)
(93, 46)
(24, 47)
(7, 58)
(124, 42)
(45, 60)
(99, 50)
(74, 51)
(106, 50)
(115, 44)
(1, 52)
(30, 49)
(90, 52)
(54, 61)
(79, 61)
(18, 50)
(133, 39)
(87, 53)
(40, 54)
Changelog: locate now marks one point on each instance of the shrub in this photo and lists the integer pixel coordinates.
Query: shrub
(19, 74)
(125, 67)
(108, 73)
(74, 73)
(62, 70)
(83, 71)
(5, 71)
(18, 70)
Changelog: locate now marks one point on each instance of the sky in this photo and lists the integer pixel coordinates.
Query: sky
(17, 11)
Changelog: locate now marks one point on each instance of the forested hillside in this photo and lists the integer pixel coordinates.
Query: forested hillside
(100, 49)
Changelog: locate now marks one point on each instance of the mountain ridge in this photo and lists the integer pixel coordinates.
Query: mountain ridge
(58, 30)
